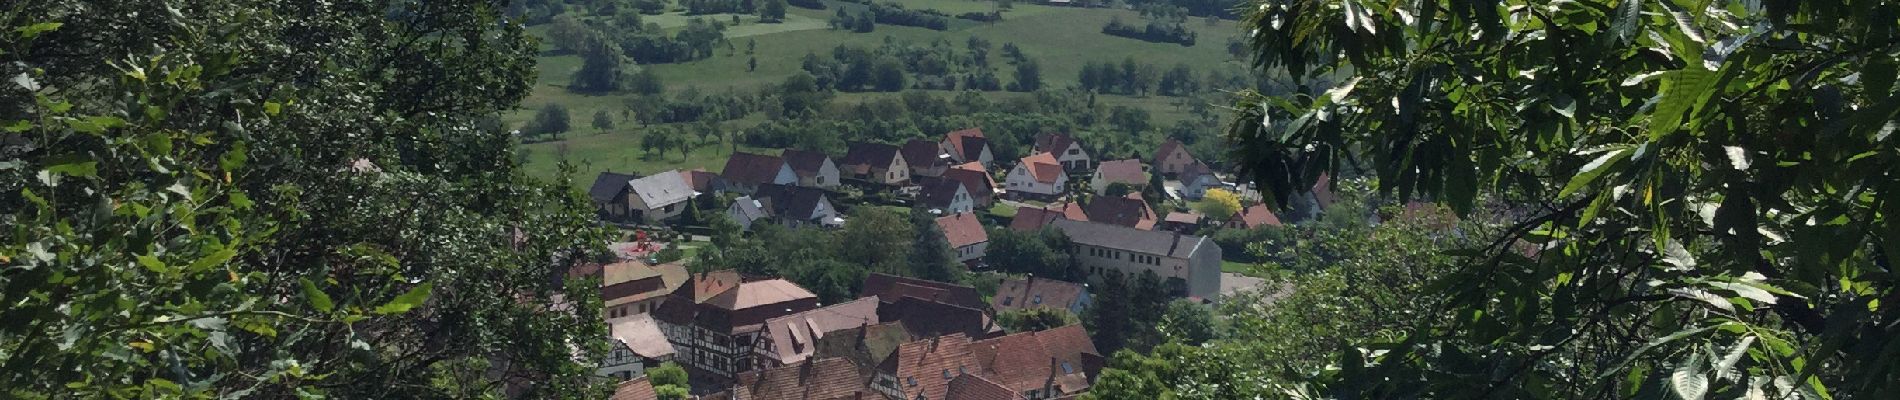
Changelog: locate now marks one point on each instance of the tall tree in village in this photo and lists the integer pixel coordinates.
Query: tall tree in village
(930, 254)
(247, 199)
(1702, 191)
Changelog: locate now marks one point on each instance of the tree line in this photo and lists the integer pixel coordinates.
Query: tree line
(1156, 31)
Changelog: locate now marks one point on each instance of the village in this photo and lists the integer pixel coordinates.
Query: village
(765, 337)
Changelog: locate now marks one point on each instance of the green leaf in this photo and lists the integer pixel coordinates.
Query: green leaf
(215, 258)
(1620, 365)
(1688, 380)
(316, 296)
(234, 158)
(34, 30)
(19, 126)
(94, 125)
(152, 263)
(272, 107)
(72, 165)
(406, 301)
(1682, 91)
(1595, 169)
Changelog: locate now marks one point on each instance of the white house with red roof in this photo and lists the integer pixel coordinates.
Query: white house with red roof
(966, 235)
(1036, 176)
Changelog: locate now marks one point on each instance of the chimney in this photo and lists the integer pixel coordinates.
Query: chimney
(1055, 368)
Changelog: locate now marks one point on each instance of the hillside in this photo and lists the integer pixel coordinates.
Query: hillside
(1060, 39)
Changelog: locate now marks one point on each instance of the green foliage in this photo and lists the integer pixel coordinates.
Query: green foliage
(1665, 205)
(667, 374)
(931, 256)
(1035, 319)
(1044, 253)
(270, 200)
(551, 119)
(671, 392)
(1218, 205)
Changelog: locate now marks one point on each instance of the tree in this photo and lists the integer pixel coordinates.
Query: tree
(646, 82)
(930, 254)
(1035, 319)
(1028, 77)
(667, 374)
(1652, 160)
(1187, 322)
(221, 201)
(1118, 189)
(1218, 205)
(877, 238)
(603, 121)
(751, 64)
(551, 119)
(603, 68)
(568, 34)
(887, 74)
(773, 12)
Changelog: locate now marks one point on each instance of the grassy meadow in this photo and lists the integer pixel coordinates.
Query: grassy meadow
(1061, 39)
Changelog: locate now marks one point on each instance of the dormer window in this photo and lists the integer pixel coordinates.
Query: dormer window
(1066, 369)
(1037, 300)
(1007, 300)
(911, 381)
(946, 374)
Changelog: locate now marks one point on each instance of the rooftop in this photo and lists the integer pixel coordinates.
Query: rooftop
(1161, 243)
(962, 229)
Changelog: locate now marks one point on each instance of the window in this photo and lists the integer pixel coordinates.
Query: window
(1037, 300)
(1007, 300)
(946, 374)
(912, 381)
(1074, 151)
(1066, 369)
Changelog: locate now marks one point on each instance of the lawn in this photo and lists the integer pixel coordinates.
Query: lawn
(1001, 210)
(619, 152)
(1062, 39)
(1237, 267)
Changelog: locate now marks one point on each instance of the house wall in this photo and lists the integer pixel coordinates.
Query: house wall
(1174, 162)
(621, 363)
(651, 215)
(823, 211)
(1204, 271)
(1020, 181)
(733, 213)
(826, 177)
(1075, 158)
(972, 252)
(898, 172)
(1201, 272)
(1198, 188)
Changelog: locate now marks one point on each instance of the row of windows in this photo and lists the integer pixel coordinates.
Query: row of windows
(1118, 255)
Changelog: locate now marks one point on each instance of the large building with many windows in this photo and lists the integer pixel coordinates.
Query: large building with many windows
(1190, 265)
(714, 322)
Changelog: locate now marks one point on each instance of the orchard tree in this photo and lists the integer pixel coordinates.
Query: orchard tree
(219, 199)
(1218, 205)
(1703, 190)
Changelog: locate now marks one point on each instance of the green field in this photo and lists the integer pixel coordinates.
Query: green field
(1061, 39)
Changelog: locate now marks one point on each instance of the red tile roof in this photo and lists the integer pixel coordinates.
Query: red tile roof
(969, 143)
(925, 367)
(962, 229)
(890, 288)
(1050, 142)
(1130, 211)
(1017, 294)
(1256, 216)
(1123, 171)
(1189, 218)
(634, 389)
(976, 387)
(921, 153)
(1062, 358)
(1032, 218)
(804, 163)
(824, 379)
(700, 180)
(974, 178)
(863, 157)
(793, 338)
(759, 293)
(1168, 147)
(1043, 167)
(752, 169)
